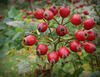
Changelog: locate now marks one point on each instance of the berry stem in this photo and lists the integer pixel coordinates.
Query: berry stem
(96, 60)
(50, 31)
(92, 64)
(62, 21)
(94, 6)
(56, 21)
(44, 20)
(66, 23)
(80, 60)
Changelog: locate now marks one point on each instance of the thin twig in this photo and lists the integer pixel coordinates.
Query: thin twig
(62, 21)
(66, 23)
(44, 20)
(30, 5)
(56, 21)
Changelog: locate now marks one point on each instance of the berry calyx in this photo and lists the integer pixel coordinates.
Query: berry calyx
(54, 9)
(42, 27)
(64, 11)
(61, 30)
(41, 49)
(89, 47)
(76, 19)
(53, 57)
(75, 46)
(89, 24)
(91, 36)
(48, 15)
(81, 35)
(29, 40)
(38, 13)
(63, 52)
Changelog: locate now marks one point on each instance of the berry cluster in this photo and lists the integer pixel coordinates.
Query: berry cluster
(61, 30)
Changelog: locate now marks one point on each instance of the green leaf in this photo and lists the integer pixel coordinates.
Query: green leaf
(95, 74)
(12, 13)
(79, 71)
(16, 36)
(6, 20)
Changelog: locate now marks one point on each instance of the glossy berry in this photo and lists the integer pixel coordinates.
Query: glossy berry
(54, 9)
(43, 8)
(75, 46)
(29, 13)
(63, 52)
(74, 2)
(42, 27)
(33, 20)
(77, 7)
(89, 24)
(89, 47)
(48, 15)
(76, 19)
(61, 30)
(29, 40)
(21, 11)
(81, 35)
(1, 16)
(14, 2)
(24, 9)
(64, 11)
(70, 0)
(91, 36)
(41, 49)
(85, 12)
(77, 1)
(26, 74)
(81, 5)
(38, 13)
(53, 57)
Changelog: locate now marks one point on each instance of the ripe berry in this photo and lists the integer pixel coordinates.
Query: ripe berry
(63, 52)
(29, 40)
(76, 19)
(64, 11)
(41, 49)
(81, 5)
(48, 2)
(54, 9)
(1, 16)
(23, 16)
(14, 2)
(26, 74)
(38, 13)
(29, 13)
(48, 15)
(91, 36)
(43, 8)
(81, 35)
(85, 12)
(75, 46)
(21, 11)
(70, 0)
(74, 2)
(61, 30)
(77, 7)
(42, 27)
(24, 9)
(77, 1)
(89, 47)
(89, 24)
(53, 57)
(33, 20)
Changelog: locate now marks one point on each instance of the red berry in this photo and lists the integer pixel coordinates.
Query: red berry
(29, 40)
(76, 19)
(26, 0)
(26, 74)
(1, 16)
(48, 15)
(14, 2)
(89, 24)
(91, 36)
(54, 9)
(81, 5)
(74, 2)
(48, 2)
(61, 30)
(64, 11)
(38, 13)
(41, 49)
(57, 15)
(89, 47)
(81, 35)
(43, 8)
(42, 27)
(21, 11)
(63, 52)
(24, 9)
(70, 0)
(53, 57)
(59, 7)
(77, 7)
(33, 20)
(85, 12)
(29, 13)
(77, 1)
(23, 16)
(75, 46)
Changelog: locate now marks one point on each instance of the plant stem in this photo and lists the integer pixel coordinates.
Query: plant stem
(50, 31)
(80, 60)
(94, 6)
(66, 23)
(96, 60)
(62, 21)
(44, 20)
(92, 64)
(55, 44)
(75, 68)
(56, 21)
(30, 5)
